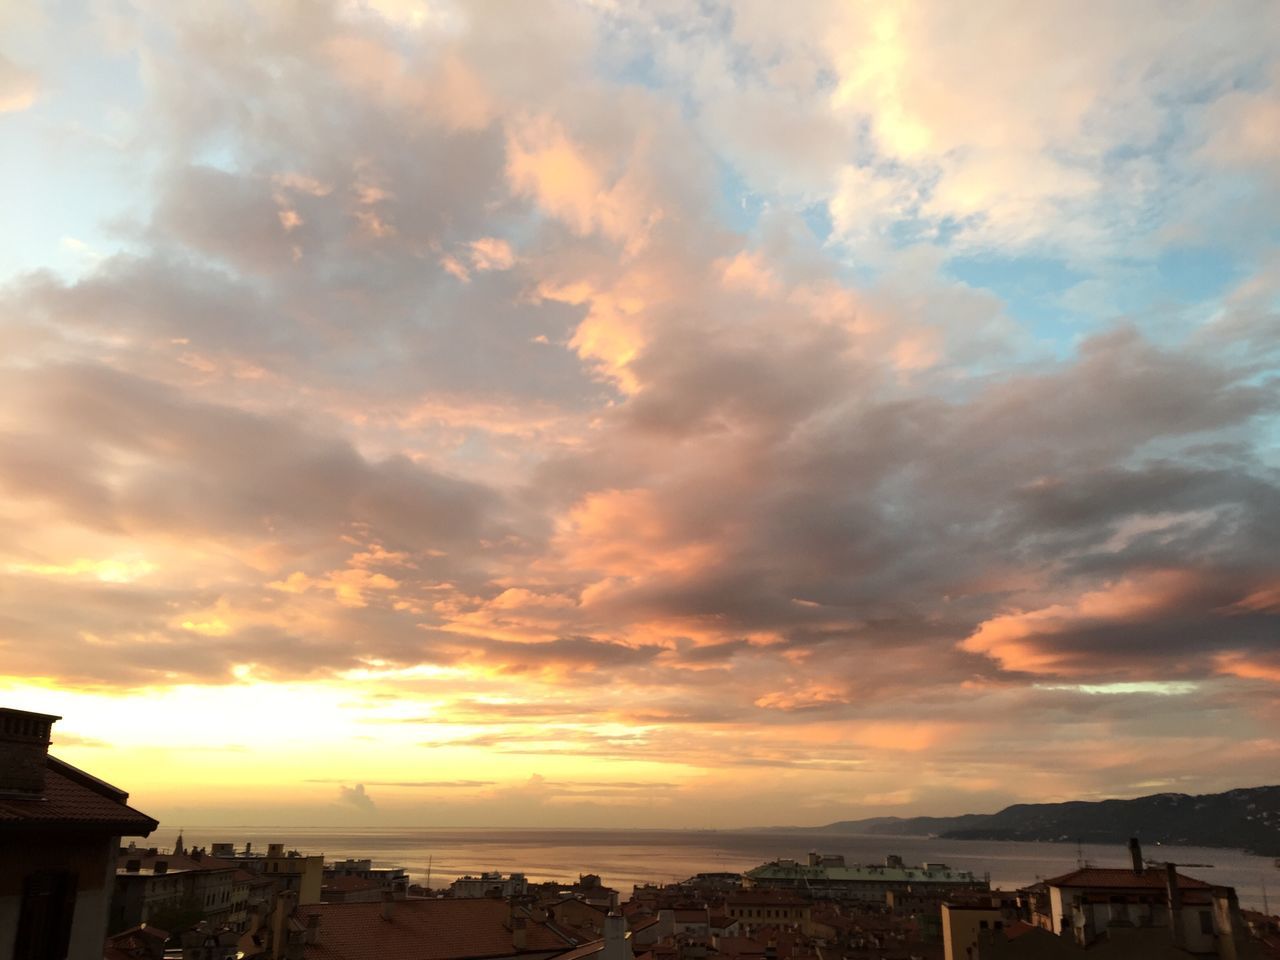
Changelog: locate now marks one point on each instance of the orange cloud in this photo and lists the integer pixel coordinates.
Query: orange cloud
(626, 534)
(567, 182)
(543, 163)
(1240, 665)
(908, 737)
(491, 253)
(748, 273)
(350, 587)
(1024, 641)
(802, 698)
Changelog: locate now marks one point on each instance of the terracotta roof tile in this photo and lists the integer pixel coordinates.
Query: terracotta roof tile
(740, 946)
(422, 930)
(75, 798)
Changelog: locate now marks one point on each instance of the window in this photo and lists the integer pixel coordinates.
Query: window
(1206, 921)
(44, 919)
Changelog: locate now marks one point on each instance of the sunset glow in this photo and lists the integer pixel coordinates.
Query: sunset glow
(578, 413)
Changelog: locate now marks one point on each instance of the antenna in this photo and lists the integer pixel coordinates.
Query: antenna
(428, 872)
(1265, 907)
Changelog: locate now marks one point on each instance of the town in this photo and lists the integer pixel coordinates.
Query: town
(72, 888)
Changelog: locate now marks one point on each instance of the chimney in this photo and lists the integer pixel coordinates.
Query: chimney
(312, 934)
(519, 933)
(24, 748)
(1135, 854)
(281, 910)
(1175, 903)
(1232, 934)
(616, 944)
(388, 905)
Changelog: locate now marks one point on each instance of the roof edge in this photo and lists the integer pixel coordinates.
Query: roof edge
(87, 779)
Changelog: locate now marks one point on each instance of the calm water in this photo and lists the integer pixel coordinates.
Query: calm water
(624, 858)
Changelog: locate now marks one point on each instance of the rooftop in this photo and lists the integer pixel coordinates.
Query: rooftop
(1119, 878)
(73, 798)
(173, 863)
(422, 930)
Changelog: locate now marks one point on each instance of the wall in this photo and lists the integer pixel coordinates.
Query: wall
(92, 859)
(309, 873)
(960, 927)
(1194, 938)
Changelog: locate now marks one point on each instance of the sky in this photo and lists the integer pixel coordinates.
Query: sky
(650, 414)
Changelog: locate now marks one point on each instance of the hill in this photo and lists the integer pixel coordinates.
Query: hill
(1247, 818)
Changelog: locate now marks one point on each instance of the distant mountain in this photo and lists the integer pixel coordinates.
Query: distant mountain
(1248, 819)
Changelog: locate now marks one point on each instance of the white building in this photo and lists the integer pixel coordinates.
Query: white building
(489, 885)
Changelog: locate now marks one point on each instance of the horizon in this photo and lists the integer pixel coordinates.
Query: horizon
(578, 413)
(760, 828)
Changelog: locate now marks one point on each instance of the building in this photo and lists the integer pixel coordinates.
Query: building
(351, 890)
(1140, 904)
(614, 944)
(963, 924)
(692, 923)
(60, 829)
(645, 931)
(290, 870)
(757, 907)
(829, 876)
(294, 871)
(153, 886)
(491, 884)
(143, 942)
(584, 921)
(393, 880)
(207, 942)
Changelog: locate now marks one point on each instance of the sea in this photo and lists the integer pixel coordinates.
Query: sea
(624, 858)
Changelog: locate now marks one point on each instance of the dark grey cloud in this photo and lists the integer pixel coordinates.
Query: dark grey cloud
(214, 468)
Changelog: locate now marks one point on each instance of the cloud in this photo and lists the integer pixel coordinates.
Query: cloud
(18, 86)
(356, 797)
(568, 385)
